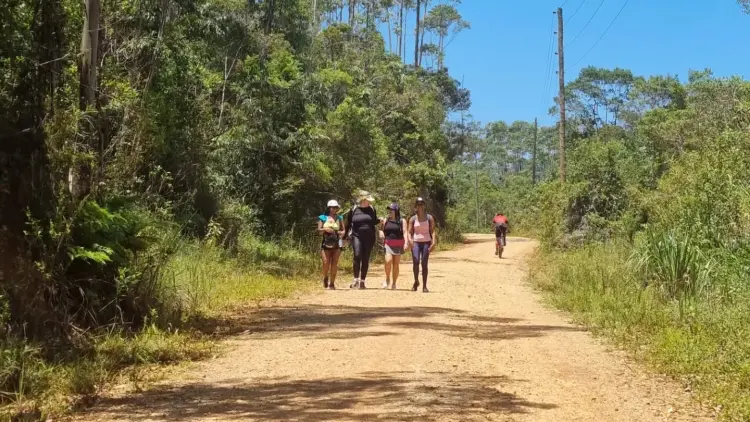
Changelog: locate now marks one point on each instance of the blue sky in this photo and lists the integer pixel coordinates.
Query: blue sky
(503, 57)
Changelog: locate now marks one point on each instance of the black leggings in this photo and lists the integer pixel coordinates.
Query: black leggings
(420, 252)
(362, 250)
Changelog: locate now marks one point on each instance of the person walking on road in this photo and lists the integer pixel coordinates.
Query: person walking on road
(331, 227)
(501, 225)
(393, 233)
(362, 221)
(423, 239)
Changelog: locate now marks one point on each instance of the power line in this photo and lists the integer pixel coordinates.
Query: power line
(576, 11)
(564, 3)
(587, 23)
(548, 71)
(603, 34)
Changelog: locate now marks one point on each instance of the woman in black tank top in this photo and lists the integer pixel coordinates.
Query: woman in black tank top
(392, 233)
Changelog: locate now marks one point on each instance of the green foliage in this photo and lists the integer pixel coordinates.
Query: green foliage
(673, 262)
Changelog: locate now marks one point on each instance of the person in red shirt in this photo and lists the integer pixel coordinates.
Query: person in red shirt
(501, 225)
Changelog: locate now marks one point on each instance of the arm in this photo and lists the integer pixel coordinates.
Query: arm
(408, 232)
(405, 229)
(380, 230)
(433, 232)
(345, 223)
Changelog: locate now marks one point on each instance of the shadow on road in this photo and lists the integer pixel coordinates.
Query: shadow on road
(347, 322)
(374, 396)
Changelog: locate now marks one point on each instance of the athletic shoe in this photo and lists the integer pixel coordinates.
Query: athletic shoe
(325, 283)
(332, 286)
(415, 286)
(385, 284)
(393, 286)
(354, 284)
(362, 285)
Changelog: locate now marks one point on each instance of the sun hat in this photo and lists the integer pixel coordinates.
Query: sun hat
(333, 204)
(365, 196)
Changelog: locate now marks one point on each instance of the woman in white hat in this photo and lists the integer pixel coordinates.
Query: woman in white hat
(331, 226)
(362, 222)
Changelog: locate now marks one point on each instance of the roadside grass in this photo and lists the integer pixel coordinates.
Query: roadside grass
(198, 281)
(700, 338)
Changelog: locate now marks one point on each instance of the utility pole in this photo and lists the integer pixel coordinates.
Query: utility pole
(533, 157)
(476, 162)
(561, 95)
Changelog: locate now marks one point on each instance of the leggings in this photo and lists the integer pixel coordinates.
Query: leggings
(362, 250)
(420, 252)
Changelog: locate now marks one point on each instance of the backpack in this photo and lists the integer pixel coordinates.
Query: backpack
(331, 240)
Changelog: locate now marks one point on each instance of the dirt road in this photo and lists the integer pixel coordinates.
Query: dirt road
(479, 347)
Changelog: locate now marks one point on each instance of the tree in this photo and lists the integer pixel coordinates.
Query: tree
(418, 23)
(443, 20)
(79, 175)
(596, 98)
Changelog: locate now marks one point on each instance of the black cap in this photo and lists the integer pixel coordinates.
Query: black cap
(419, 201)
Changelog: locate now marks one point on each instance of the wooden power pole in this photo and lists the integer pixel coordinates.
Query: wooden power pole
(533, 157)
(561, 95)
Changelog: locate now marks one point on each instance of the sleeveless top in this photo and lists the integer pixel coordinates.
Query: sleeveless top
(392, 230)
(422, 230)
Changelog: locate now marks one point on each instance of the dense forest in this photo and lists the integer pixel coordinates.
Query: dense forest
(152, 150)
(136, 134)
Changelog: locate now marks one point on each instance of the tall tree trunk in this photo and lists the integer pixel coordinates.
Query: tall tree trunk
(441, 51)
(421, 36)
(315, 17)
(390, 30)
(401, 29)
(416, 35)
(269, 16)
(79, 183)
(352, 10)
(89, 53)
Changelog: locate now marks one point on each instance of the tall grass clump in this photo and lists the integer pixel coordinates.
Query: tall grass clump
(673, 262)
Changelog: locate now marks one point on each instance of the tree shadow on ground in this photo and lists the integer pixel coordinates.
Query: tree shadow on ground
(375, 396)
(489, 260)
(347, 322)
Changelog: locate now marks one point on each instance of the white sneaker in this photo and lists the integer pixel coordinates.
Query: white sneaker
(385, 284)
(354, 284)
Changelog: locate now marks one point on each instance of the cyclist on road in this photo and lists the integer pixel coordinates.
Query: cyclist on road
(502, 226)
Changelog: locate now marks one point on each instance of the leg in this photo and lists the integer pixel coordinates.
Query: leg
(388, 268)
(335, 254)
(395, 269)
(357, 266)
(366, 252)
(415, 264)
(425, 261)
(325, 255)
